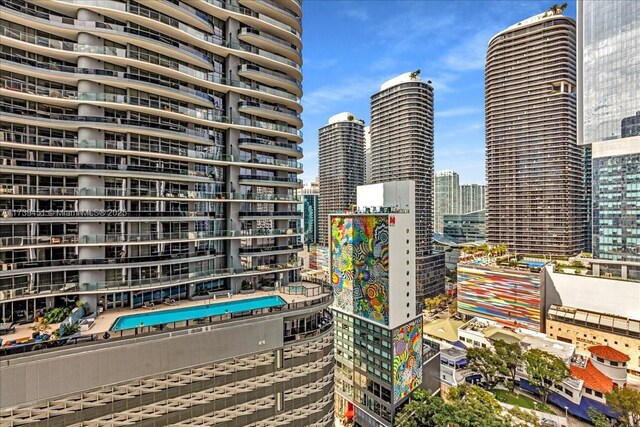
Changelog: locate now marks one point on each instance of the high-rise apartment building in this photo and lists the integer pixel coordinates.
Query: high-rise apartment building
(341, 166)
(149, 158)
(367, 154)
(379, 347)
(446, 197)
(609, 113)
(535, 189)
(310, 218)
(472, 198)
(402, 149)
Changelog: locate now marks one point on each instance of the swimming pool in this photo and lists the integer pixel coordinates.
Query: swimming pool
(154, 318)
(534, 264)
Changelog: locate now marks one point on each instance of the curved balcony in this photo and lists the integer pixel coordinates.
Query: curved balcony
(270, 250)
(290, 165)
(277, 11)
(256, 19)
(105, 263)
(193, 277)
(270, 181)
(31, 191)
(105, 169)
(270, 215)
(70, 240)
(267, 41)
(255, 72)
(70, 145)
(170, 68)
(115, 78)
(268, 146)
(73, 122)
(271, 112)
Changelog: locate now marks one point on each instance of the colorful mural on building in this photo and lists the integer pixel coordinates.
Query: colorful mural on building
(510, 298)
(360, 265)
(407, 359)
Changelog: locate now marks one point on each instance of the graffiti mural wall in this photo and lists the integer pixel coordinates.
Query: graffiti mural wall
(510, 298)
(360, 265)
(407, 359)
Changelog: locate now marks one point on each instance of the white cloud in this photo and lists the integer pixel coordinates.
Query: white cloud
(353, 13)
(329, 98)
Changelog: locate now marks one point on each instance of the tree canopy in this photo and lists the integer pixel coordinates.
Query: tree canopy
(545, 371)
(467, 406)
(626, 402)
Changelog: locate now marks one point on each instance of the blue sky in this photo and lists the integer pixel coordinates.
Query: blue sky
(351, 47)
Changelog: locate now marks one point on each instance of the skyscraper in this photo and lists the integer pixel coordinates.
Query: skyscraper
(342, 166)
(446, 197)
(402, 149)
(535, 189)
(609, 113)
(472, 198)
(311, 223)
(149, 158)
(367, 154)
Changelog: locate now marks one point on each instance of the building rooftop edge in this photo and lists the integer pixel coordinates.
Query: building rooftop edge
(529, 21)
(344, 117)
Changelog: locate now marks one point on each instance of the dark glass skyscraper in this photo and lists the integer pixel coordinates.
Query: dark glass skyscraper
(609, 48)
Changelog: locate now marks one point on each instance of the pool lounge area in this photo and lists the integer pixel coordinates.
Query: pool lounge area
(175, 316)
(163, 317)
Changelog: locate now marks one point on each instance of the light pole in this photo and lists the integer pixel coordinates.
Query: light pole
(566, 414)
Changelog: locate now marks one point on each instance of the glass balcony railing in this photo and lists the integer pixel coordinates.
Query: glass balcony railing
(269, 37)
(270, 213)
(269, 178)
(270, 108)
(210, 77)
(279, 7)
(169, 127)
(190, 155)
(272, 74)
(249, 12)
(74, 239)
(32, 190)
(262, 249)
(189, 277)
(267, 142)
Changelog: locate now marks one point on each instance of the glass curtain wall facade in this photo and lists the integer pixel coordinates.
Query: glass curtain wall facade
(609, 109)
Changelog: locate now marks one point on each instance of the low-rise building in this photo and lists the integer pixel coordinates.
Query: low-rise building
(585, 329)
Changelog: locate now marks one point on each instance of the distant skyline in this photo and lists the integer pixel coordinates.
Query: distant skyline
(352, 47)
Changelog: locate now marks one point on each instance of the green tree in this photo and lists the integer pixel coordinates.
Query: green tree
(435, 302)
(467, 406)
(486, 362)
(626, 402)
(510, 357)
(598, 419)
(545, 371)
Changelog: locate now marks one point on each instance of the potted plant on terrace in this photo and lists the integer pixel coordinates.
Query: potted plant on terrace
(246, 287)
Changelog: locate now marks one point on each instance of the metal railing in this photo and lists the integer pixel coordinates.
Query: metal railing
(165, 330)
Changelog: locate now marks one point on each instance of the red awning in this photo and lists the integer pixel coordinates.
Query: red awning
(349, 414)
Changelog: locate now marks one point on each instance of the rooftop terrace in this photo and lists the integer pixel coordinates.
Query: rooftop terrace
(297, 296)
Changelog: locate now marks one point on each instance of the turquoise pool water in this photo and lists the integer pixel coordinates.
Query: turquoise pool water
(153, 318)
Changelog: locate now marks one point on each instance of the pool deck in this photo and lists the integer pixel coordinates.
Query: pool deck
(107, 318)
